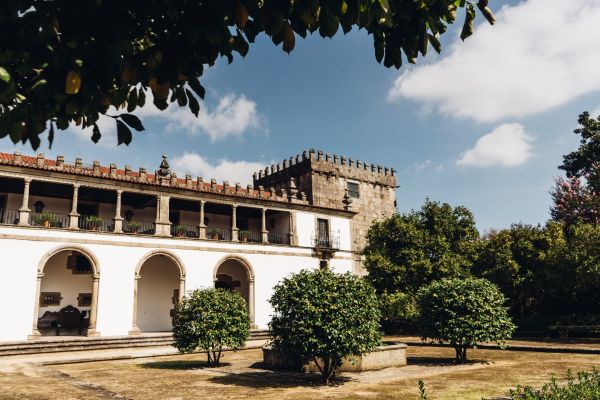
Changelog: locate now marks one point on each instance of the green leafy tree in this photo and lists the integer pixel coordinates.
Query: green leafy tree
(209, 320)
(407, 251)
(398, 312)
(324, 317)
(64, 63)
(463, 312)
(585, 161)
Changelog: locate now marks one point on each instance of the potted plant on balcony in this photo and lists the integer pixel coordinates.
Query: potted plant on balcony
(133, 226)
(180, 230)
(213, 233)
(92, 222)
(45, 219)
(244, 235)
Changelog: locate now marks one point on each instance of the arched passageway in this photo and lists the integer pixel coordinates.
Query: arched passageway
(235, 274)
(159, 284)
(66, 294)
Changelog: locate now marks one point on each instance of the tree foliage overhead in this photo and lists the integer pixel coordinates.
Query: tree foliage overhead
(64, 62)
(463, 312)
(208, 320)
(585, 161)
(407, 251)
(324, 317)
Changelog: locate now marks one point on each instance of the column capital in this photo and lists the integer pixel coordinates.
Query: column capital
(27, 179)
(119, 191)
(76, 185)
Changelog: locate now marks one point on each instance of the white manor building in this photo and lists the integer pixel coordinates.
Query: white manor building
(101, 251)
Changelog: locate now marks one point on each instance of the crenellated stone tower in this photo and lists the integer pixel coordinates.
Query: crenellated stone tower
(337, 182)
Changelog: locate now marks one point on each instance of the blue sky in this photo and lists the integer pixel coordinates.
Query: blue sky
(484, 124)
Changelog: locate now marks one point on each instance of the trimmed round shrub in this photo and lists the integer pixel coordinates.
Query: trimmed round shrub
(323, 316)
(463, 312)
(209, 320)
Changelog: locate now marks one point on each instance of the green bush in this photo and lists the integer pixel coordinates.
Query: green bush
(586, 386)
(324, 317)
(463, 312)
(398, 311)
(208, 320)
(45, 216)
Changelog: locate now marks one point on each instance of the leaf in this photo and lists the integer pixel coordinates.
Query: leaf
(289, 39)
(51, 135)
(123, 133)
(72, 82)
(194, 105)
(132, 100)
(197, 87)
(4, 75)
(96, 134)
(132, 121)
(467, 29)
(487, 12)
(435, 43)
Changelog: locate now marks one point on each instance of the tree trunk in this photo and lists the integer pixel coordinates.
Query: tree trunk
(461, 354)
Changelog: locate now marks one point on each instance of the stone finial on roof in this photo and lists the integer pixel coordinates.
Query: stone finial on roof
(261, 190)
(40, 159)
(128, 170)
(249, 189)
(293, 188)
(164, 170)
(60, 162)
(238, 187)
(173, 181)
(347, 200)
(18, 158)
(213, 184)
(78, 164)
(225, 186)
(113, 170)
(188, 181)
(142, 174)
(96, 168)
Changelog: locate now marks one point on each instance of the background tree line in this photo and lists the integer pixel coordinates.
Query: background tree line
(549, 273)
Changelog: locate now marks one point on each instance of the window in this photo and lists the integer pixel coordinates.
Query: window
(322, 238)
(353, 190)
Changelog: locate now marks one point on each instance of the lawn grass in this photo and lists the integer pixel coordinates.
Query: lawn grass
(490, 373)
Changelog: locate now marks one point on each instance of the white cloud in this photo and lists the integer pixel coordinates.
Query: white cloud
(427, 164)
(540, 54)
(234, 115)
(507, 146)
(232, 171)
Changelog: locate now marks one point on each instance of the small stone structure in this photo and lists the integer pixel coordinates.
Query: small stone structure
(391, 354)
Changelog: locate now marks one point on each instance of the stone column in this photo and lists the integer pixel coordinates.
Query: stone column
(35, 333)
(201, 225)
(94, 308)
(264, 232)
(135, 330)
(181, 287)
(118, 219)
(24, 211)
(73, 215)
(292, 233)
(162, 224)
(251, 303)
(234, 229)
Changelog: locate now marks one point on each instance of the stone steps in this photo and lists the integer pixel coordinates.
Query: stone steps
(68, 344)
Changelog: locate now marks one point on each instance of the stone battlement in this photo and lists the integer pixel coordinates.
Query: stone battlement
(279, 174)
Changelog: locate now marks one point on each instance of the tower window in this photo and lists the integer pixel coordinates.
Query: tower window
(353, 190)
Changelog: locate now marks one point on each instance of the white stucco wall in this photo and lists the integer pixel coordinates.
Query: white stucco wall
(118, 255)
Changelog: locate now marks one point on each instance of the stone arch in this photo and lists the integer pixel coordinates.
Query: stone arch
(138, 273)
(91, 331)
(249, 280)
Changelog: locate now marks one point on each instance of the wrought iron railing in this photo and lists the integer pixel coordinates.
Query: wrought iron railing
(188, 231)
(218, 233)
(139, 227)
(250, 236)
(49, 219)
(278, 238)
(9, 216)
(95, 223)
(330, 241)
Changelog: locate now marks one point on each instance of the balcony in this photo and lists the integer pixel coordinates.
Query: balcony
(331, 241)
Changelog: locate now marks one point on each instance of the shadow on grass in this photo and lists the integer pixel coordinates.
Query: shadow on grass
(274, 379)
(180, 365)
(441, 361)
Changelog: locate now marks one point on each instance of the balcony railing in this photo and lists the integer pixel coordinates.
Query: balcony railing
(9, 216)
(250, 236)
(49, 219)
(94, 223)
(217, 233)
(185, 231)
(331, 241)
(278, 238)
(139, 227)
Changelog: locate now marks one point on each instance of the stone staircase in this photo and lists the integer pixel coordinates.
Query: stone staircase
(81, 343)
